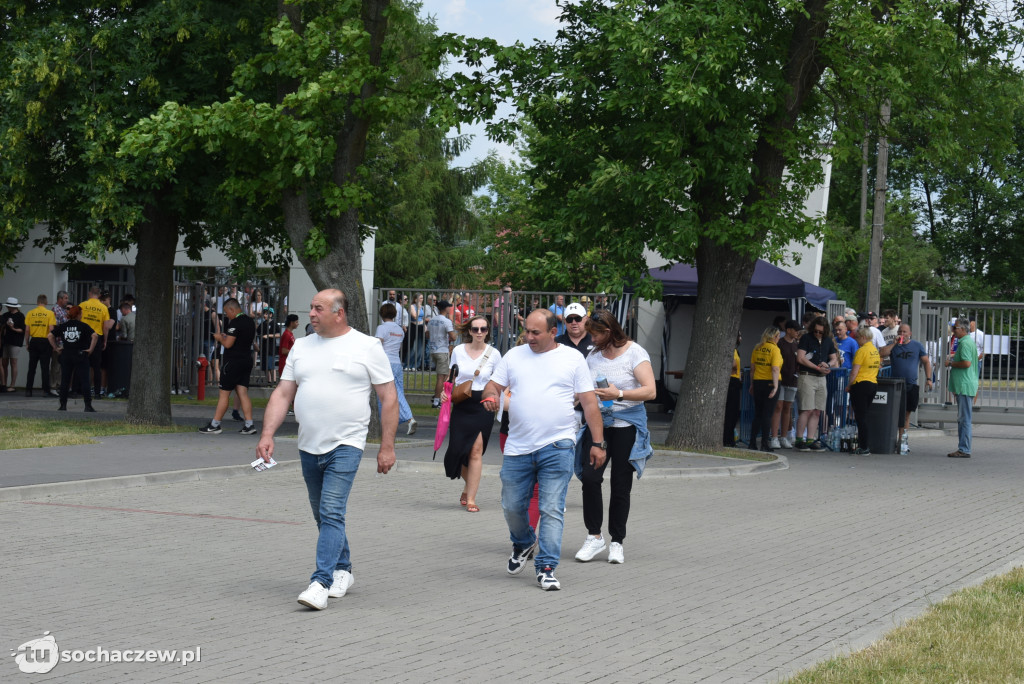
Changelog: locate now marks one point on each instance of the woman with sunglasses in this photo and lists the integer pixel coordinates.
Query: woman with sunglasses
(471, 423)
(627, 368)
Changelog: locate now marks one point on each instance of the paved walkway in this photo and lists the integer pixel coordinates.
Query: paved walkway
(726, 579)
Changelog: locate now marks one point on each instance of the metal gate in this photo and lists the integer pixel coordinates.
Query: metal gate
(506, 312)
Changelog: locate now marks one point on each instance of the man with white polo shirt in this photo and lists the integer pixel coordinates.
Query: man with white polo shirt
(545, 377)
(328, 377)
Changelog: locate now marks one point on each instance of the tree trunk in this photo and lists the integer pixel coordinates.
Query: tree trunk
(878, 215)
(723, 277)
(149, 399)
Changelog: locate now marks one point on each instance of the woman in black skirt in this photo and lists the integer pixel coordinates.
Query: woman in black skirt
(471, 423)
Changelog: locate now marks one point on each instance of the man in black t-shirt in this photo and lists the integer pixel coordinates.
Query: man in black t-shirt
(237, 339)
(576, 335)
(12, 335)
(815, 357)
(80, 341)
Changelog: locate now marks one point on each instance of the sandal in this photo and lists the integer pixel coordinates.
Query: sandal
(463, 499)
(472, 508)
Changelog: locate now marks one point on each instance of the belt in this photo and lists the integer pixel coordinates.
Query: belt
(811, 373)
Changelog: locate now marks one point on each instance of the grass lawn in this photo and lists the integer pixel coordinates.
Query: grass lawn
(975, 635)
(31, 433)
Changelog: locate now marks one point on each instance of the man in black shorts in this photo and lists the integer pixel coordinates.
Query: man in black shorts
(237, 339)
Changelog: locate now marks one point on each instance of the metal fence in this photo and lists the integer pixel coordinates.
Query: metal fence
(506, 313)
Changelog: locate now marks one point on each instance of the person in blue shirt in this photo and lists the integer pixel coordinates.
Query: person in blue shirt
(906, 356)
(846, 345)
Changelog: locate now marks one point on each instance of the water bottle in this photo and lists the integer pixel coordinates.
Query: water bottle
(602, 382)
(904, 443)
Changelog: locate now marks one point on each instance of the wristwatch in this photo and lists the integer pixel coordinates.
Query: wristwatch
(602, 445)
(620, 395)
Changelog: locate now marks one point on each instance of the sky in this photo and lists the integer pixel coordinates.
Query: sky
(503, 20)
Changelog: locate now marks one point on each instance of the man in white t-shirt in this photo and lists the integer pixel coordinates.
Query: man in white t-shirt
(328, 377)
(979, 341)
(545, 377)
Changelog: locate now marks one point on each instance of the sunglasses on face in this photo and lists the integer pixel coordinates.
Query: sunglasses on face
(573, 319)
(478, 330)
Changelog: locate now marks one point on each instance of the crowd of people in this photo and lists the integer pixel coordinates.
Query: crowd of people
(790, 365)
(73, 347)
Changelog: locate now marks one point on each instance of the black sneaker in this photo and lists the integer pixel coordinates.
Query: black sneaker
(803, 445)
(816, 445)
(517, 561)
(862, 452)
(235, 415)
(210, 429)
(90, 409)
(546, 579)
(248, 430)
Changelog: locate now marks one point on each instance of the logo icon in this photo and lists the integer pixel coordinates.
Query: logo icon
(38, 656)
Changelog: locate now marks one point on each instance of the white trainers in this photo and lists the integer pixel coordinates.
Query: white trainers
(343, 580)
(412, 426)
(774, 443)
(315, 596)
(615, 554)
(591, 547)
(785, 443)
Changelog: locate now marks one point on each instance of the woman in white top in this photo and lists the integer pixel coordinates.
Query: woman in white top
(471, 424)
(627, 367)
(391, 335)
(257, 304)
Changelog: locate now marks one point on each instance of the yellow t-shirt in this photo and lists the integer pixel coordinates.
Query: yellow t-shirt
(94, 314)
(39, 321)
(736, 364)
(763, 359)
(868, 359)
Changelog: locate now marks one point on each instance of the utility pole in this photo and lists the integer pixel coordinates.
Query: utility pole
(878, 215)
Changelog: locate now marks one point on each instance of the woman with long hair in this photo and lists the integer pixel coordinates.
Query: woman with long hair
(417, 329)
(391, 335)
(471, 423)
(630, 382)
(863, 384)
(765, 371)
(257, 304)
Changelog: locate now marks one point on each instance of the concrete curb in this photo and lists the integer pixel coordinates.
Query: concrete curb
(49, 489)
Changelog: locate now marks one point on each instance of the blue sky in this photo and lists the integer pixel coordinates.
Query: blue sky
(504, 20)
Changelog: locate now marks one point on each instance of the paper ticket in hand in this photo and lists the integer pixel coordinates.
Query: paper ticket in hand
(259, 465)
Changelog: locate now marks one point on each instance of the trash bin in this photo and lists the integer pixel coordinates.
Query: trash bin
(884, 415)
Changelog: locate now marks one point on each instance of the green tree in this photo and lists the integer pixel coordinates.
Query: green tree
(694, 129)
(75, 76)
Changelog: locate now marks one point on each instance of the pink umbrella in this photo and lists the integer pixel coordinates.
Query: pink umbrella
(444, 418)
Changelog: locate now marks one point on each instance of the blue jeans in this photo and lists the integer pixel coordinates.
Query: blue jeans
(404, 412)
(329, 480)
(963, 421)
(551, 468)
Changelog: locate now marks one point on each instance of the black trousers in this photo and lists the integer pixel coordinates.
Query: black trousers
(96, 364)
(39, 351)
(620, 443)
(764, 406)
(732, 412)
(72, 364)
(861, 394)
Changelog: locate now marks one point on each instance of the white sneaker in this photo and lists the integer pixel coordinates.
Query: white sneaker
(343, 581)
(591, 547)
(615, 553)
(315, 596)
(785, 443)
(412, 426)
(774, 443)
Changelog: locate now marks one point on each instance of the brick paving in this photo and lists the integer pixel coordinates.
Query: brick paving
(743, 579)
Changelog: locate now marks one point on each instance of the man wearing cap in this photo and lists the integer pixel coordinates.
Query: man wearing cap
(576, 335)
(871, 318)
(12, 323)
(79, 342)
(39, 322)
(440, 339)
(963, 384)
